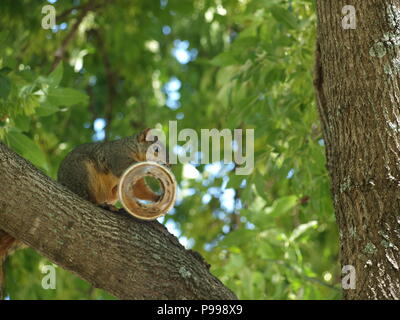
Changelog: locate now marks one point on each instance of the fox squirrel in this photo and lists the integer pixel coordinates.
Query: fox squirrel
(93, 170)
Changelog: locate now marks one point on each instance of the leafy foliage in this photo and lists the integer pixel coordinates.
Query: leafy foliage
(208, 64)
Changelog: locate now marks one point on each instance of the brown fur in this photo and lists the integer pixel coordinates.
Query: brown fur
(102, 186)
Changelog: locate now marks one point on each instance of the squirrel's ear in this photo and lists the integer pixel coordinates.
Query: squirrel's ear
(143, 134)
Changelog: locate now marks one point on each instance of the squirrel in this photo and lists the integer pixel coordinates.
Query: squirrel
(92, 171)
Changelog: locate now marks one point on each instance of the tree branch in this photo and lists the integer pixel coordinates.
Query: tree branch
(129, 258)
(85, 9)
(59, 54)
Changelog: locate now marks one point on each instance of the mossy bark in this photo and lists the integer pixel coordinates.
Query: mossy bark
(357, 84)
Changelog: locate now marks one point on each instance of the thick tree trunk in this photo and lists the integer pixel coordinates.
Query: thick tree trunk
(129, 258)
(357, 83)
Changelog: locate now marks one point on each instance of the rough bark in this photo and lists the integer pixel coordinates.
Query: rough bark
(357, 84)
(129, 258)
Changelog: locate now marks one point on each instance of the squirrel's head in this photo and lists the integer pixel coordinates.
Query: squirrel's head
(148, 148)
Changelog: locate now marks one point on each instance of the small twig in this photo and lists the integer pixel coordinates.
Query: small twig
(59, 54)
(90, 6)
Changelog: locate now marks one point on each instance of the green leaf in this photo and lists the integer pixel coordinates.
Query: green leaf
(260, 184)
(27, 148)
(283, 205)
(56, 76)
(46, 109)
(238, 237)
(284, 16)
(28, 75)
(66, 97)
(261, 215)
(22, 122)
(5, 86)
(234, 181)
(224, 59)
(5, 70)
(301, 229)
